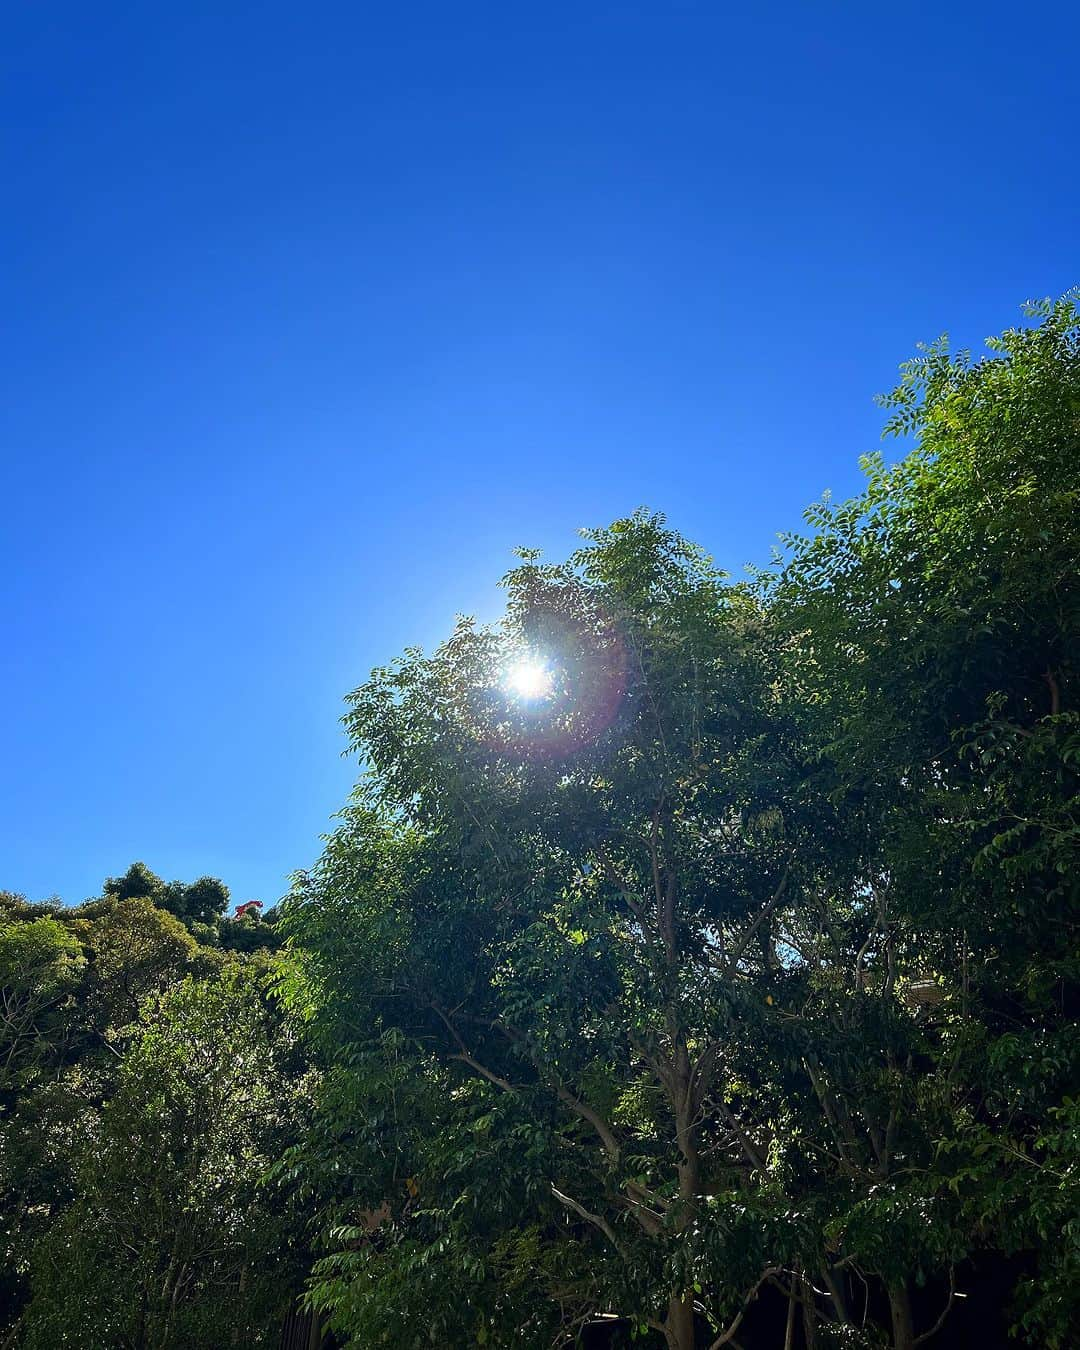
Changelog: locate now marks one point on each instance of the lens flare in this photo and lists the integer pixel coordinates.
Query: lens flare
(529, 680)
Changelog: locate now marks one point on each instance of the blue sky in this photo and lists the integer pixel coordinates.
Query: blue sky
(314, 312)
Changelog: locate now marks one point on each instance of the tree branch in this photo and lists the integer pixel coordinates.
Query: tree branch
(597, 1220)
(727, 1336)
(582, 1109)
(748, 937)
(464, 1056)
(751, 1150)
(609, 870)
(944, 1312)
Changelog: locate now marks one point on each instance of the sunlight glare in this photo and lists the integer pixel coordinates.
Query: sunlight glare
(529, 679)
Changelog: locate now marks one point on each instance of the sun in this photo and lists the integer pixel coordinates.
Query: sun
(529, 679)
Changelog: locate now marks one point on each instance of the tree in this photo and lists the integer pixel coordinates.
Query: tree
(84, 993)
(576, 895)
(697, 954)
(934, 622)
(136, 949)
(728, 931)
(197, 902)
(137, 883)
(40, 964)
(171, 1240)
(194, 902)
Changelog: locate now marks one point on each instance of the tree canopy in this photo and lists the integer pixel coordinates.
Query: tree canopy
(147, 1082)
(727, 963)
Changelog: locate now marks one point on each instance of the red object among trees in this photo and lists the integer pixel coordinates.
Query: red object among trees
(247, 907)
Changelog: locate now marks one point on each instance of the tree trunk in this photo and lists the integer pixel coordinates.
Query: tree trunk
(903, 1329)
(241, 1306)
(139, 1339)
(789, 1329)
(679, 1323)
(839, 1296)
(809, 1314)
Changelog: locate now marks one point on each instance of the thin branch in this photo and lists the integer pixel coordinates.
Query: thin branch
(609, 870)
(596, 1219)
(748, 937)
(789, 1326)
(726, 1337)
(701, 1074)
(836, 1291)
(651, 1222)
(753, 1153)
(944, 1312)
(665, 904)
(582, 1109)
(464, 1056)
(648, 1195)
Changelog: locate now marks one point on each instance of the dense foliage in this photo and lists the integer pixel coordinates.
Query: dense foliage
(696, 963)
(147, 1082)
(726, 982)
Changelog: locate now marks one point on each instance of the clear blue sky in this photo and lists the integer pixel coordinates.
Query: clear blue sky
(313, 312)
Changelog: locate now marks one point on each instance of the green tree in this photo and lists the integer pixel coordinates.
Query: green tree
(171, 1240)
(568, 903)
(40, 965)
(137, 883)
(136, 949)
(73, 983)
(934, 622)
(197, 902)
(194, 902)
(728, 932)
